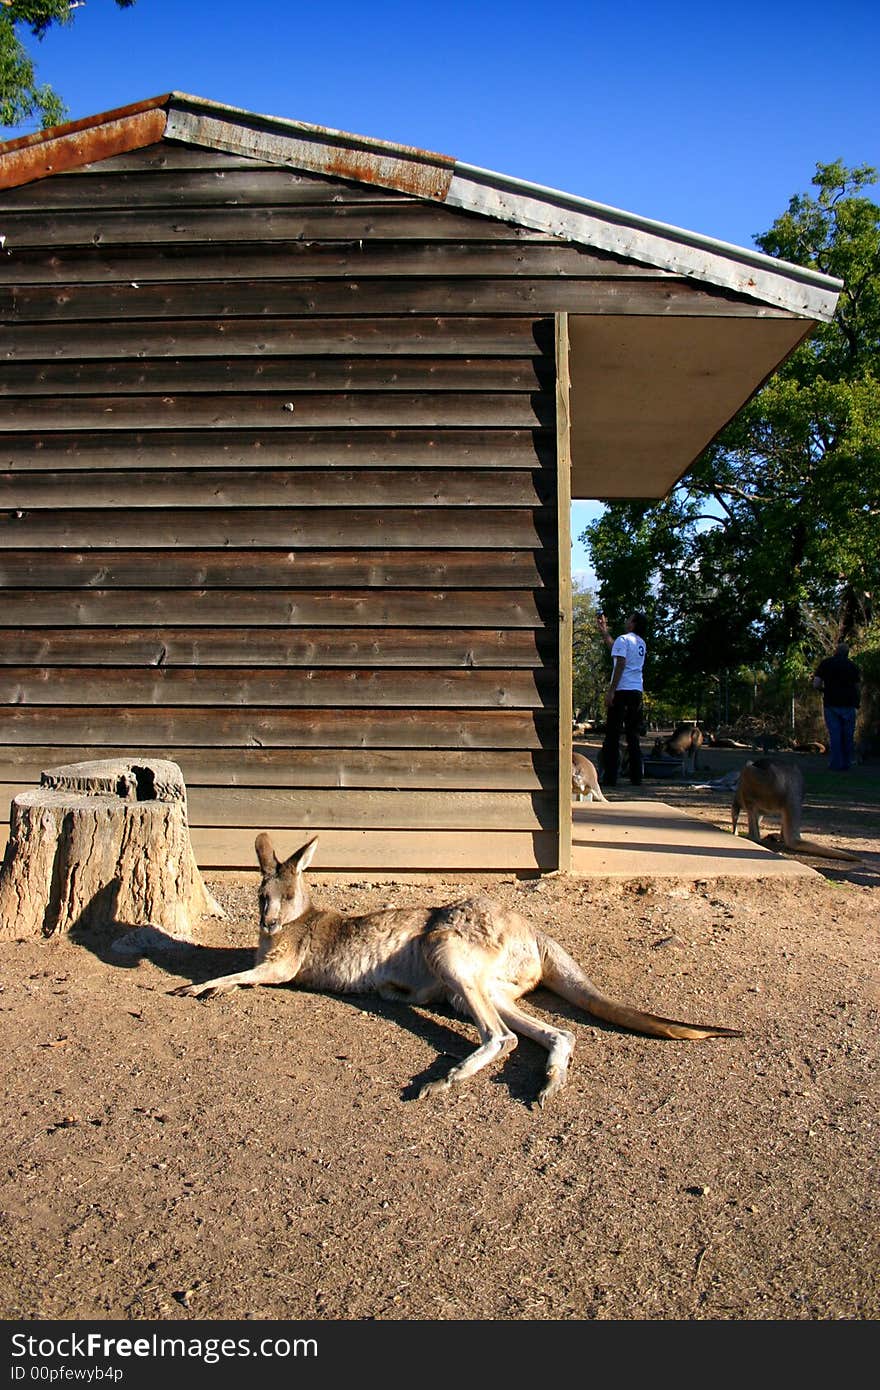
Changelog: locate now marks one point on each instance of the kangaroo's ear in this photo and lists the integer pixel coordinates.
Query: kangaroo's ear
(302, 858)
(266, 854)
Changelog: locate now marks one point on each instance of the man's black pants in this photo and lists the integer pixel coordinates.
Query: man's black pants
(625, 715)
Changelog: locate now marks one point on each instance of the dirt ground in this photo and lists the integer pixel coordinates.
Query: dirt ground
(262, 1155)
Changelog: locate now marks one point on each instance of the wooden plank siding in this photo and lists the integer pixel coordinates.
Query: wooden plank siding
(278, 500)
(309, 554)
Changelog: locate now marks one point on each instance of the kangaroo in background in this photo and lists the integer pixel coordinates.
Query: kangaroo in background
(585, 780)
(685, 742)
(767, 785)
(473, 954)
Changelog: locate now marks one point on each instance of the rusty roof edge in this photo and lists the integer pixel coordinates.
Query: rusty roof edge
(318, 133)
(797, 288)
(58, 132)
(334, 153)
(78, 148)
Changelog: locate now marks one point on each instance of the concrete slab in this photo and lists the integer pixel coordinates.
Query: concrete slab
(628, 839)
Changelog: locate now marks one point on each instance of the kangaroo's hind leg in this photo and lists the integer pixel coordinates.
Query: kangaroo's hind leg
(559, 1043)
(461, 978)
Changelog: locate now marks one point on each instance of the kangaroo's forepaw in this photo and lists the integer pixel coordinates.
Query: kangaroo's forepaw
(198, 991)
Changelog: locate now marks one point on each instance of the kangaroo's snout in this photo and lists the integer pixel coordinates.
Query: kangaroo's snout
(271, 903)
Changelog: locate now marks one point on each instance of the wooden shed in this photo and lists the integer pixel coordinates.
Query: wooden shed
(290, 424)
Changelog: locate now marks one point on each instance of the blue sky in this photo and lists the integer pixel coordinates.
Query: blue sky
(707, 116)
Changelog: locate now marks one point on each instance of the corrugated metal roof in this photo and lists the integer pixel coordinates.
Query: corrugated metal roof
(198, 121)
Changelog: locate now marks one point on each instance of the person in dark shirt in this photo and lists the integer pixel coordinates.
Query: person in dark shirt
(839, 680)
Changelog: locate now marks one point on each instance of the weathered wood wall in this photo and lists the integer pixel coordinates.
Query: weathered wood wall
(278, 500)
(278, 497)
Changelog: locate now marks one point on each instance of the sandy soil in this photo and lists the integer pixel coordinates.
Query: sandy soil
(263, 1155)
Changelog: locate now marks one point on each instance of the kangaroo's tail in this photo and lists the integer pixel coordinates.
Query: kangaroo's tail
(562, 974)
(800, 846)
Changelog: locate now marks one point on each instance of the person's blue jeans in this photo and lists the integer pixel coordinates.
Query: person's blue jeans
(840, 722)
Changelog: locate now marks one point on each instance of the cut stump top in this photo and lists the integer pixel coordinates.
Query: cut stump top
(129, 779)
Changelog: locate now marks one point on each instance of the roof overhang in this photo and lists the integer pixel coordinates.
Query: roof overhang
(648, 393)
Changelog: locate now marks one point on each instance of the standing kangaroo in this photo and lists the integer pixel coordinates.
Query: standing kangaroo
(766, 785)
(585, 780)
(474, 955)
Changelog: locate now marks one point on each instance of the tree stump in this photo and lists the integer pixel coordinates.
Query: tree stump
(102, 843)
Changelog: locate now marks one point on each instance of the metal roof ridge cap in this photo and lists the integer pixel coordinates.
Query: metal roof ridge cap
(577, 203)
(329, 133)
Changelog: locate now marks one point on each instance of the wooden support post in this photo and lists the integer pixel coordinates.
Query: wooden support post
(563, 521)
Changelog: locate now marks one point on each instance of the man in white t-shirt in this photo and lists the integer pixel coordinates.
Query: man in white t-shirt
(623, 698)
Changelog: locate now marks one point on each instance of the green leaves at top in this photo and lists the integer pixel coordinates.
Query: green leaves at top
(21, 99)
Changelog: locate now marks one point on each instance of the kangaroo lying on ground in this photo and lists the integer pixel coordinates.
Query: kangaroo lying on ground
(766, 785)
(585, 780)
(473, 954)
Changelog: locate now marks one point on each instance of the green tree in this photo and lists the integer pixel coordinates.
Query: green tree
(778, 519)
(21, 99)
(589, 662)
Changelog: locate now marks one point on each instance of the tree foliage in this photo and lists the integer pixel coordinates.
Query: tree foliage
(778, 520)
(589, 656)
(21, 98)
